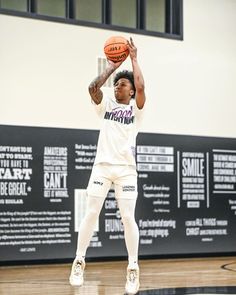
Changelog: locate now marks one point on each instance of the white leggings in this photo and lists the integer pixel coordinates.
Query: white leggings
(94, 206)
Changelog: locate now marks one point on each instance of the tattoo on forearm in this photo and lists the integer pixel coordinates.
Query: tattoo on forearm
(96, 84)
(101, 79)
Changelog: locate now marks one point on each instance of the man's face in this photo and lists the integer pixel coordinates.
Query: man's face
(123, 90)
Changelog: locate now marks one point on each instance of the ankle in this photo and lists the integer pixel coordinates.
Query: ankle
(80, 258)
(133, 266)
(132, 262)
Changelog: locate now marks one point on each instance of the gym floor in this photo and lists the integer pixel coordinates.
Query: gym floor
(157, 277)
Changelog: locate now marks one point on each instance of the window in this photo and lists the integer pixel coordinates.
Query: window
(19, 5)
(123, 13)
(89, 10)
(155, 15)
(162, 18)
(51, 7)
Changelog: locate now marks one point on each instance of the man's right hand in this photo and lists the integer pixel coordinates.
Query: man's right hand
(115, 65)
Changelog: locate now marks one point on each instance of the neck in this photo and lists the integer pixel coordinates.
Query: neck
(123, 100)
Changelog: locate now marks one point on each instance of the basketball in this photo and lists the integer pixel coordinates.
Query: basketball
(116, 49)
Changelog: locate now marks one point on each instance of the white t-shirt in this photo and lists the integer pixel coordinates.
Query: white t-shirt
(117, 138)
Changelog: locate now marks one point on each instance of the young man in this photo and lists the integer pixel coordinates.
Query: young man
(115, 163)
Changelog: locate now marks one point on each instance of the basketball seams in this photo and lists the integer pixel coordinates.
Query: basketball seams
(115, 43)
(122, 49)
(118, 53)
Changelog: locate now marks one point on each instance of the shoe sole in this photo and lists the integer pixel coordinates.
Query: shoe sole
(74, 283)
(132, 293)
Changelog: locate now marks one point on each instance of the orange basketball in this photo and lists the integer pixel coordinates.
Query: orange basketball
(116, 49)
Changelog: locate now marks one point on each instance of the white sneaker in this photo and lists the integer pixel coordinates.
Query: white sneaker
(77, 273)
(132, 281)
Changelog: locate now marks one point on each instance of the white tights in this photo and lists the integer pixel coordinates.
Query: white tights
(127, 208)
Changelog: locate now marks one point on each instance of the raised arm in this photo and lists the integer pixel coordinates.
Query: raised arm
(138, 76)
(95, 86)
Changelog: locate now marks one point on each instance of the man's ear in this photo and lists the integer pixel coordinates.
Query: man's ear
(131, 92)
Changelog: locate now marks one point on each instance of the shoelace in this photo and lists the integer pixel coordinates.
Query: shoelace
(78, 268)
(132, 275)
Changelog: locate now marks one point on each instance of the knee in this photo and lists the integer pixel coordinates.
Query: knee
(92, 213)
(93, 208)
(128, 219)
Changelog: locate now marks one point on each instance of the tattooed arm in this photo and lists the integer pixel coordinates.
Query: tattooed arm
(95, 86)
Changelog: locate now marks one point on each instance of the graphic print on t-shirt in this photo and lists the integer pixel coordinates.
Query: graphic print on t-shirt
(121, 115)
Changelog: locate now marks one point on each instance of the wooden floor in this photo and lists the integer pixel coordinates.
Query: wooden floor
(108, 278)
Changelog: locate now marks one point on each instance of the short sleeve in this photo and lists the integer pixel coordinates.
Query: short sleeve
(101, 108)
(138, 112)
(138, 115)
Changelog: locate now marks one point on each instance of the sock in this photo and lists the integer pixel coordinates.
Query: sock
(80, 257)
(133, 262)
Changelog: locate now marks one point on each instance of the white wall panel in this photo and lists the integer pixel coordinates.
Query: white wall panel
(45, 68)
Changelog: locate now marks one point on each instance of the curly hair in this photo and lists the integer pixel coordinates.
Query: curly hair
(126, 75)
